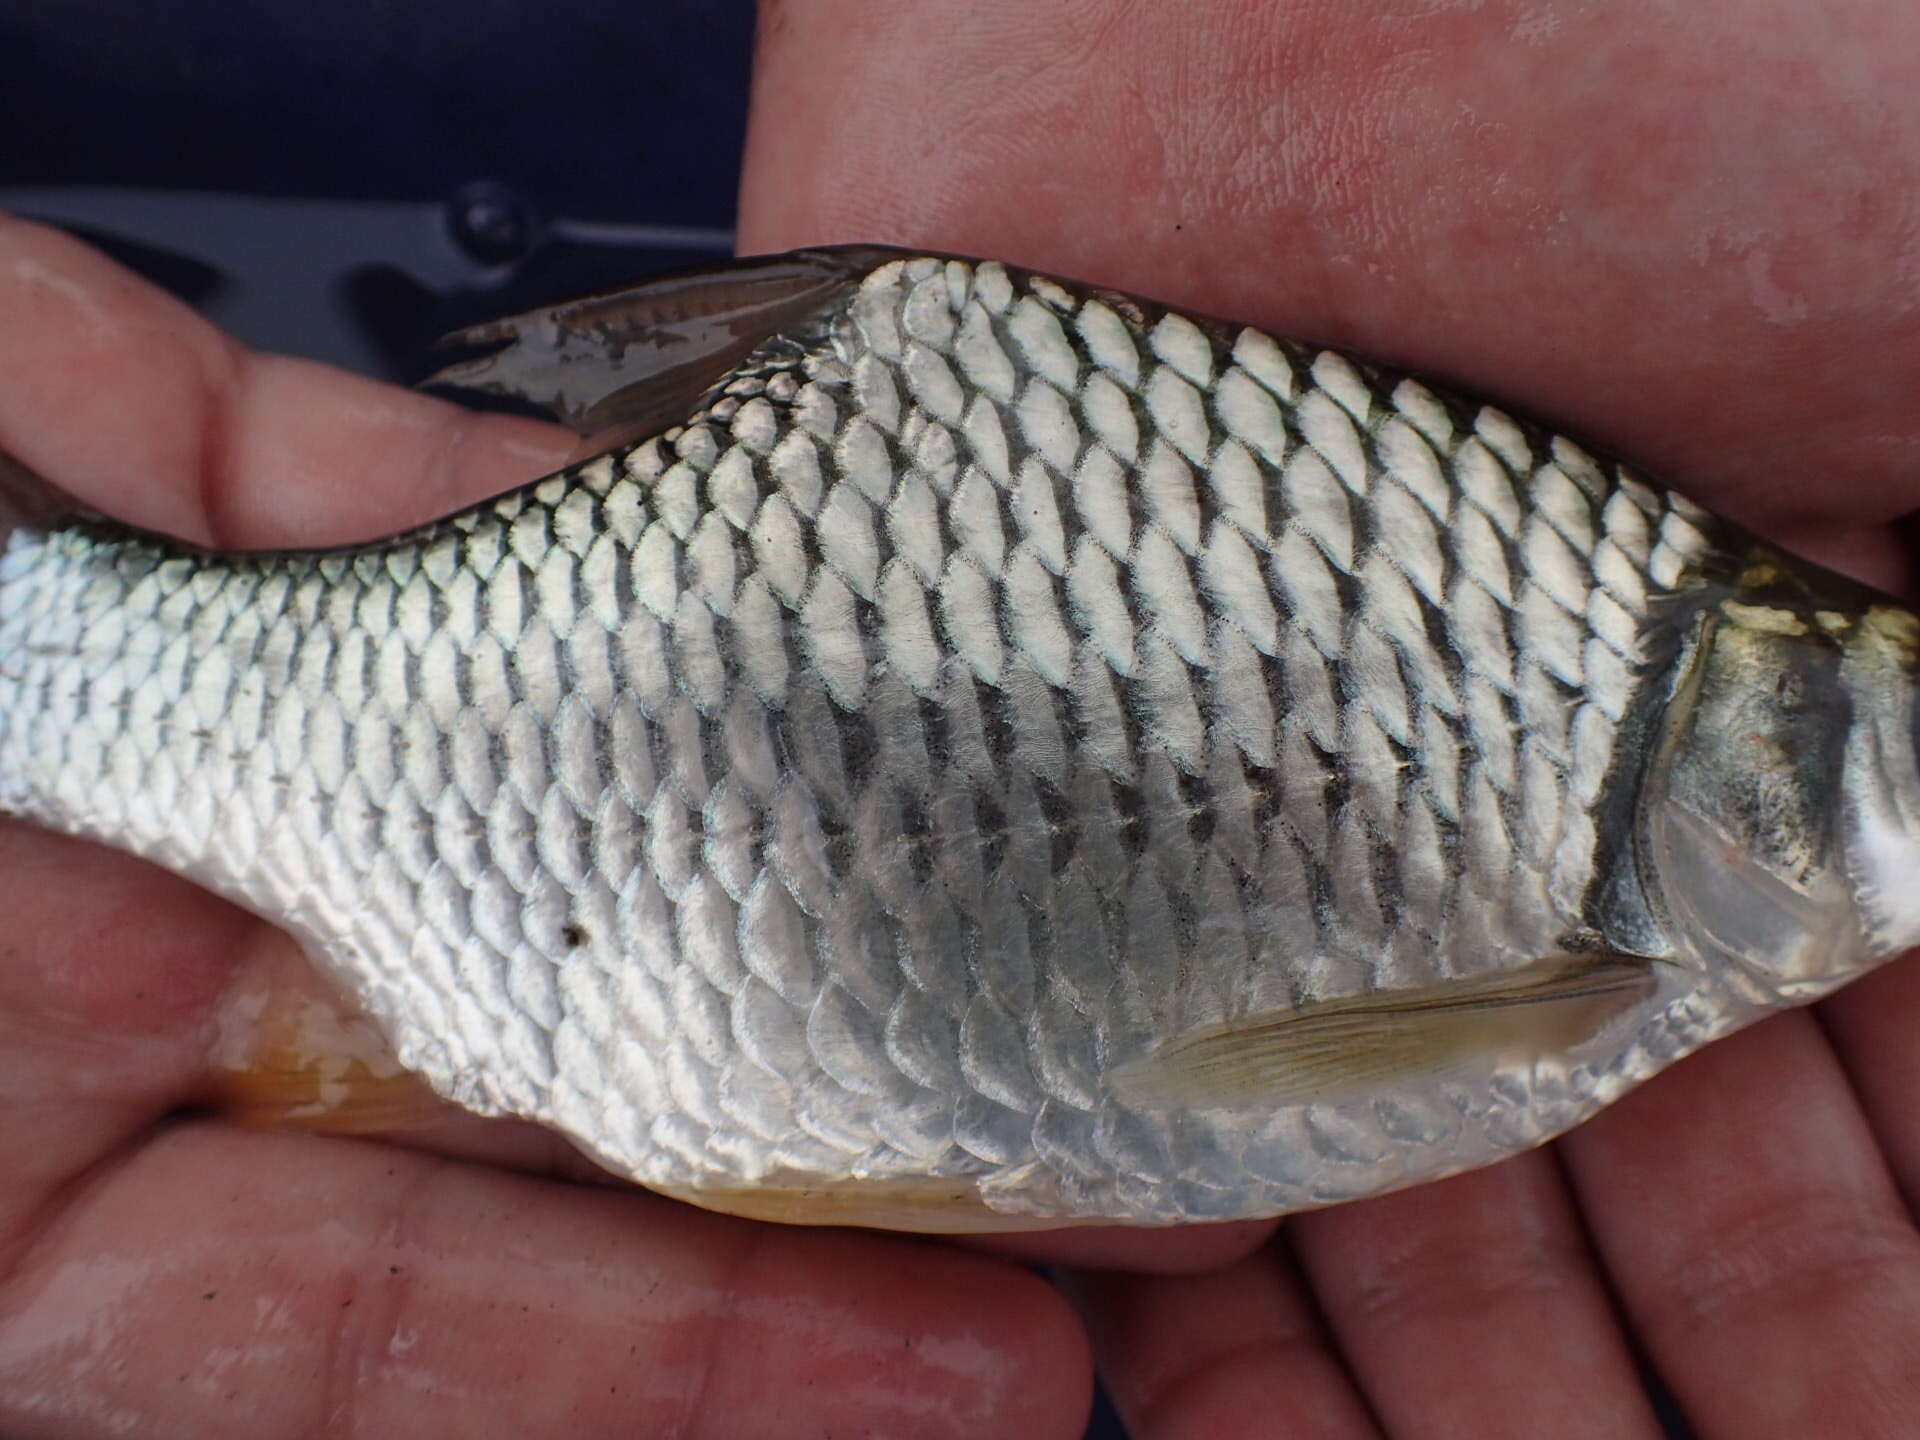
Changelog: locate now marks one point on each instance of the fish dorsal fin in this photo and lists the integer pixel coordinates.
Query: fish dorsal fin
(631, 362)
(1334, 1047)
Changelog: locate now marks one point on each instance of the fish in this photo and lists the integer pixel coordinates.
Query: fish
(966, 750)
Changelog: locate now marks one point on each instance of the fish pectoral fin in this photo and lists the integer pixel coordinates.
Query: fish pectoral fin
(1332, 1047)
(631, 362)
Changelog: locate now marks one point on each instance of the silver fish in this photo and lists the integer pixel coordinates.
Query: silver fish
(984, 752)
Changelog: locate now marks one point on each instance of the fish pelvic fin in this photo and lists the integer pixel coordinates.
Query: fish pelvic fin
(628, 363)
(1329, 1048)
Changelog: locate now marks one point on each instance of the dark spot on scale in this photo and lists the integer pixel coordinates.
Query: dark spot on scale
(991, 823)
(1062, 827)
(575, 935)
(1132, 807)
(1198, 796)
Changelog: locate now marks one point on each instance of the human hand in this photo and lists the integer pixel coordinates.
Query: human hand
(640, 1314)
(163, 1275)
(1685, 230)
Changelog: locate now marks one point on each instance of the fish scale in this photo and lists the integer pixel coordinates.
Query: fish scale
(987, 682)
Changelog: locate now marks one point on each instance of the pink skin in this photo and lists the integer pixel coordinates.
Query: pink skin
(1691, 229)
(1688, 229)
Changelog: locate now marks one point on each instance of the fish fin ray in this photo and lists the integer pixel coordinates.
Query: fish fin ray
(1332, 1047)
(292, 1052)
(280, 1091)
(632, 361)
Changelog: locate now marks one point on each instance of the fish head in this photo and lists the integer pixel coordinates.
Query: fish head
(1780, 833)
(1879, 798)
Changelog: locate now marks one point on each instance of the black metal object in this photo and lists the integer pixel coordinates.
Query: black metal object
(492, 223)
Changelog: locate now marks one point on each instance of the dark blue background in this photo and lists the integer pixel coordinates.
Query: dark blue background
(616, 112)
(299, 171)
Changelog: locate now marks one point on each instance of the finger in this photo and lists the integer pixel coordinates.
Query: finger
(1235, 1352)
(222, 1284)
(1871, 1024)
(130, 1000)
(113, 1010)
(1555, 213)
(104, 379)
(110, 972)
(1188, 1250)
(122, 395)
(1472, 1307)
(290, 1050)
(1757, 1242)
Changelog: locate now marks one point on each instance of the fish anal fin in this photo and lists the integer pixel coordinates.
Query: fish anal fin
(630, 362)
(1330, 1048)
(292, 1053)
(276, 1094)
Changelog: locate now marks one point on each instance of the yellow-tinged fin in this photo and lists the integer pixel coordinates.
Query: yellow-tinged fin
(291, 1053)
(1334, 1047)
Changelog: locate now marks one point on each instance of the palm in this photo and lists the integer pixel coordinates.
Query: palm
(1595, 220)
